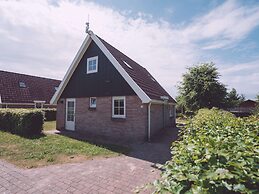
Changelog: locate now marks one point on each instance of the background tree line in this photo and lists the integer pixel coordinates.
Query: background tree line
(201, 88)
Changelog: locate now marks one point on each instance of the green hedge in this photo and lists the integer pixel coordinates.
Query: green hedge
(25, 122)
(49, 114)
(216, 153)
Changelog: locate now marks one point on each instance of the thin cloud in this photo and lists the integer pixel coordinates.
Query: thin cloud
(42, 37)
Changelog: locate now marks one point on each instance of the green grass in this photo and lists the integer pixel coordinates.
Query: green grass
(49, 125)
(49, 149)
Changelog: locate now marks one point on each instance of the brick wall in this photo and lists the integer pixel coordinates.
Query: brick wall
(99, 121)
(160, 118)
(61, 115)
(100, 124)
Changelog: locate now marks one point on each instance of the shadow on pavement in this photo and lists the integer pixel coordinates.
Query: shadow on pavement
(156, 151)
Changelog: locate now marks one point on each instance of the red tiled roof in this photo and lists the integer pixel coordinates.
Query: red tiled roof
(37, 88)
(139, 74)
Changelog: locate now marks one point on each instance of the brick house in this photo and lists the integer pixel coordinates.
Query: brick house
(26, 91)
(106, 94)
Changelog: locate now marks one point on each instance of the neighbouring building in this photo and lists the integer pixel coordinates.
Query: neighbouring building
(248, 106)
(106, 94)
(26, 91)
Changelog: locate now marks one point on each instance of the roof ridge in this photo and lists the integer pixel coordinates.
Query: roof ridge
(23, 74)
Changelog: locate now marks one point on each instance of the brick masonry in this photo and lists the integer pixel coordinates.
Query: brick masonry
(160, 118)
(99, 121)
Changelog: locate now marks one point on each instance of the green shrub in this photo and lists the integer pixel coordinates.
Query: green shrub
(24, 122)
(217, 153)
(49, 114)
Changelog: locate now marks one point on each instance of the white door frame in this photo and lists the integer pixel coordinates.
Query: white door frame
(70, 125)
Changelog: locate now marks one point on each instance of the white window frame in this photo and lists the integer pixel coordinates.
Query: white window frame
(90, 102)
(118, 98)
(87, 66)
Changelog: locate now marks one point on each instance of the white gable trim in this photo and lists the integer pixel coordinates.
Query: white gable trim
(141, 94)
(71, 70)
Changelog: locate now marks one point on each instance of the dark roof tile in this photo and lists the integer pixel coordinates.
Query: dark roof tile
(139, 74)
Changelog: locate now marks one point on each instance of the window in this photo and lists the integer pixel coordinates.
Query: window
(92, 102)
(92, 65)
(22, 85)
(118, 107)
(39, 104)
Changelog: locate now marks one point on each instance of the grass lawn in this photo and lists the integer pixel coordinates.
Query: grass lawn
(49, 149)
(49, 125)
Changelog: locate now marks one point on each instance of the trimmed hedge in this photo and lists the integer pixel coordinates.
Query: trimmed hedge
(25, 122)
(49, 114)
(217, 153)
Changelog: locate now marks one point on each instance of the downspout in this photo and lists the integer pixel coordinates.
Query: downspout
(149, 122)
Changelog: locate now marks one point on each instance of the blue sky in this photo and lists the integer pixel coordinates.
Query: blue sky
(42, 37)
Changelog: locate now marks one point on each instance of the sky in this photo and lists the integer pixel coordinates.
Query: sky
(41, 37)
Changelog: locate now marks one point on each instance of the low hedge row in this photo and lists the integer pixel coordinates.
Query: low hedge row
(25, 122)
(217, 153)
(49, 114)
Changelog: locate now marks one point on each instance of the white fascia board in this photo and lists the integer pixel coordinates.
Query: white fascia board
(71, 69)
(141, 94)
(162, 102)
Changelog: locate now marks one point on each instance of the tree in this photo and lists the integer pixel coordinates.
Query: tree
(257, 98)
(201, 88)
(233, 99)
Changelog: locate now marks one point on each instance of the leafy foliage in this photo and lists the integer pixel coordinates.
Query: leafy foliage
(201, 88)
(217, 153)
(24, 122)
(257, 98)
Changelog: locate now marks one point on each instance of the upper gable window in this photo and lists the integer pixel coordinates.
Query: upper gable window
(92, 65)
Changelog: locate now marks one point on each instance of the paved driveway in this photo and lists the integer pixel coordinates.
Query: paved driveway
(111, 175)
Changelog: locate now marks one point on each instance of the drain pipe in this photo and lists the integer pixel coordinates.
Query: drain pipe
(149, 121)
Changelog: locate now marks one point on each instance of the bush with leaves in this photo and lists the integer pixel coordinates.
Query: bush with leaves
(216, 153)
(25, 122)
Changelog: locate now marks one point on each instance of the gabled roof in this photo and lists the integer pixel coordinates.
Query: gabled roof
(140, 80)
(139, 74)
(21, 88)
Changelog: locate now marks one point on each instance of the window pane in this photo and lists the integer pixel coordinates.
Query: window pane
(70, 104)
(116, 103)
(116, 111)
(121, 103)
(121, 112)
(94, 67)
(93, 102)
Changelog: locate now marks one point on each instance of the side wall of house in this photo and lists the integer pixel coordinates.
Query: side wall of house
(98, 123)
(161, 117)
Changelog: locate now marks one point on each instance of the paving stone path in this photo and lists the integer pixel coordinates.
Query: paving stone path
(122, 174)
(112, 175)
